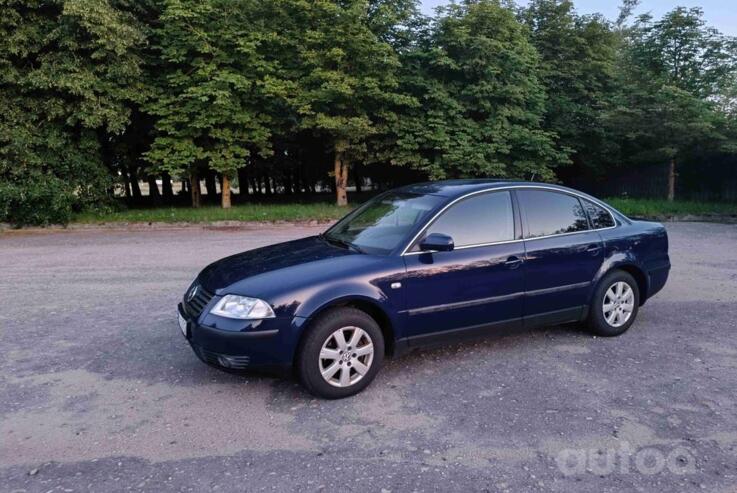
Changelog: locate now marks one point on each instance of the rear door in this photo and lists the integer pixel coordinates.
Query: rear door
(479, 283)
(562, 255)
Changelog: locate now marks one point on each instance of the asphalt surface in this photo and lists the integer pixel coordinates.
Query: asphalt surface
(99, 391)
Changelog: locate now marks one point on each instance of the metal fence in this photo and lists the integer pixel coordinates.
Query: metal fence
(704, 181)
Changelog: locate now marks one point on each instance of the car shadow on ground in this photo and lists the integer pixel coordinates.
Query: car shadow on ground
(452, 355)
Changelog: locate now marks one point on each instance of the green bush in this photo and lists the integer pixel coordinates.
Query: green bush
(38, 200)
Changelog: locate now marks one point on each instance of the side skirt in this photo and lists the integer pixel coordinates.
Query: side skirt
(557, 317)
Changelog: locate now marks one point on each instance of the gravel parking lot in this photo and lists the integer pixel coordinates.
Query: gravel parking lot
(99, 391)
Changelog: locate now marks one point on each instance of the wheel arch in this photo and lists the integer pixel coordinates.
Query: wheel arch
(366, 305)
(637, 272)
(639, 276)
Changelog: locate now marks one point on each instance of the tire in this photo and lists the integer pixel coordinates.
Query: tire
(347, 372)
(621, 316)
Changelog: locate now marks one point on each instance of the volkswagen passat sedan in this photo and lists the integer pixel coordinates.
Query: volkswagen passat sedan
(418, 265)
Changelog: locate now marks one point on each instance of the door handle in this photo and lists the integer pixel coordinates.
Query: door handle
(513, 262)
(593, 249)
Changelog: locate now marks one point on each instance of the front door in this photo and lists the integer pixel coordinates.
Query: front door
(477, 285)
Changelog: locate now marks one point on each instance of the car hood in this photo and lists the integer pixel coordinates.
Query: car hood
(227, 272)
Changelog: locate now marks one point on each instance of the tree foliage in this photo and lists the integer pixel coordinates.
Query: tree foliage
(578, 70)
(69, 71)
(289, 95)
(476, 76)
(677, 77)
(219, 84)
(349, 76)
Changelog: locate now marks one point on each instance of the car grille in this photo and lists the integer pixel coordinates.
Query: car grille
(198, 302)
(224, 360)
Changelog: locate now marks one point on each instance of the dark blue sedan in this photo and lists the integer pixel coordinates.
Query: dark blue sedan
(419, 265)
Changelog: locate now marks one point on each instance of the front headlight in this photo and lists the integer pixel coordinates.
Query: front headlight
(242, 307)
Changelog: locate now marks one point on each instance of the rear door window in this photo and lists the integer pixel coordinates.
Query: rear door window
(551, 213)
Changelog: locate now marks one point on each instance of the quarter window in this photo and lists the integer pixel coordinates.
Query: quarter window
(484, 218)
(599, 217)
(551, 213)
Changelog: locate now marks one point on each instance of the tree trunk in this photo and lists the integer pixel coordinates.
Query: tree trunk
(225, 192)
(126, 184)
(298, 181)
(166, 188)
(672, 180)
(135, 187)
(287, 183)
(341, 173)
(196, 193)
(210, 186)
(243, 181)
(153, 188)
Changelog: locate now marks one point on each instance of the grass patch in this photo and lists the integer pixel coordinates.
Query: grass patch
(244, 212)
(323, 211)
(656, 208)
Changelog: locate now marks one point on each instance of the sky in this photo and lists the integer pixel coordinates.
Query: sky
(721, 14)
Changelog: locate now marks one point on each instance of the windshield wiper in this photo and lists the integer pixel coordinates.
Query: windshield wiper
(343, 243)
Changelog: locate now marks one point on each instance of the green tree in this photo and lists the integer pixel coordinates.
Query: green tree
(678, 74)
(349, 77)
(578, 65)
(70, 71)
(476, 77)
(217, 85)
(682, 51)
(663, 122)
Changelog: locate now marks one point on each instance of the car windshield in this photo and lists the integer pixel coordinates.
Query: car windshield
(379, 225)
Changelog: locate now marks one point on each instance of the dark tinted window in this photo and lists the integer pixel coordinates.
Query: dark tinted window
(483, 218)
(600, 217)
(551, 213)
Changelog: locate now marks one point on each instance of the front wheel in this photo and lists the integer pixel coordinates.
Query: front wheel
(341, 354)
(615, 304)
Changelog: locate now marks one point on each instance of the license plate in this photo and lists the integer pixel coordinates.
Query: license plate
(182, 324)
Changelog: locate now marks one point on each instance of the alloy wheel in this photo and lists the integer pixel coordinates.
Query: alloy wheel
(619, 303)
(346, 356)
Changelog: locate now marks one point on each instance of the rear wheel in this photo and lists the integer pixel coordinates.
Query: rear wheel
(341, 354)
(614, 307)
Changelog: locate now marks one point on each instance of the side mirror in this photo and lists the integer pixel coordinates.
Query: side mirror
(438, 242)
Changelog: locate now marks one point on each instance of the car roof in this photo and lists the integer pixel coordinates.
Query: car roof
(458, 188)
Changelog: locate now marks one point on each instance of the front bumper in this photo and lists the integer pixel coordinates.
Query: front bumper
(241, 345)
